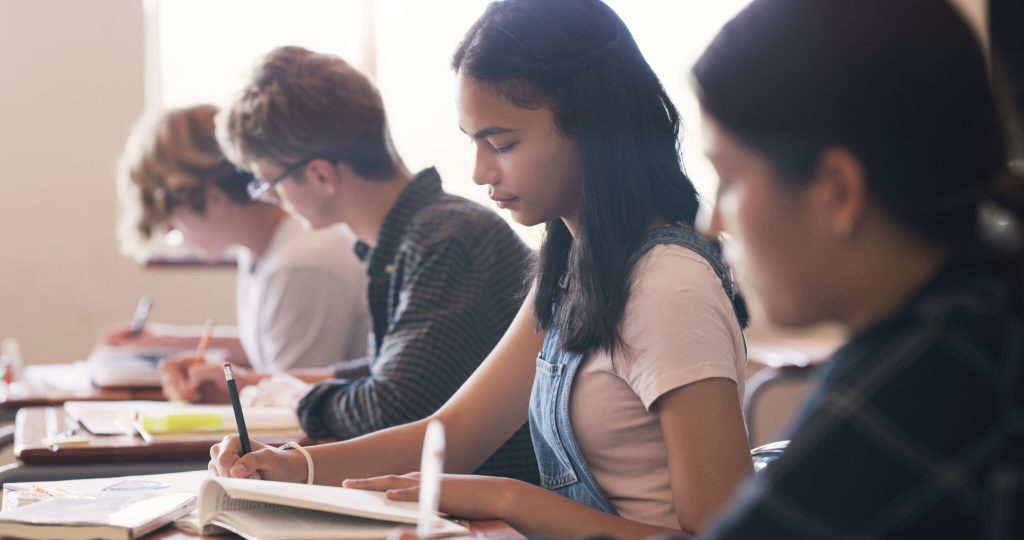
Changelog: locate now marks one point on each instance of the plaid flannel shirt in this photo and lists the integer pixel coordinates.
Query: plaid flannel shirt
(916, 431)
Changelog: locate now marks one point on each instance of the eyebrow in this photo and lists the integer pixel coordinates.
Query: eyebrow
(488, 132)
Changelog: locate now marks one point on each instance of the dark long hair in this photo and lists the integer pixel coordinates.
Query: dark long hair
(902, 85)
(577, 58)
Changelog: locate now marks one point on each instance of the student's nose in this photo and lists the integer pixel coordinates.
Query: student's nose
(485, 172)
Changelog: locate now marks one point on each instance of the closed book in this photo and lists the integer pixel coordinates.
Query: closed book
(100, 515)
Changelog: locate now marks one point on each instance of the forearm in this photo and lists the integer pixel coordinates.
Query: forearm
(394, 450)
(534, 510)
(351, 369)
(404, 387)
(397, 450)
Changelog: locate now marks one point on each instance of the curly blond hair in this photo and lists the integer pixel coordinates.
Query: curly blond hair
(170, 159)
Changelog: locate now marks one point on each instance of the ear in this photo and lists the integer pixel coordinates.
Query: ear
(840, 191)
(217, 202)
(324, 175)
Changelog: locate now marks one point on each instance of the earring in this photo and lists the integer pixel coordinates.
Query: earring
(842, 228)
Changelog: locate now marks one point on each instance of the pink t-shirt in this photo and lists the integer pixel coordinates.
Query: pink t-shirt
(679, 328)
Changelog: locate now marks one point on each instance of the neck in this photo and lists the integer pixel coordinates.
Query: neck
(573, 224)
(256, 226)
(368, 203)
(887, 279)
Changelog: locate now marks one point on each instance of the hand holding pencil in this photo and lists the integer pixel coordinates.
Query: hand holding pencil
(189, 377)
(236, 405)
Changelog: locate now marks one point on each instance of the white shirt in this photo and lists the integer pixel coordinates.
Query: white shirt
(303, 304)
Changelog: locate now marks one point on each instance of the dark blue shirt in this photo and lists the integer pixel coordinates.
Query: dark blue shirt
(916, 431)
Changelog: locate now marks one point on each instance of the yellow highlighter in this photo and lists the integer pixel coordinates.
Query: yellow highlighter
(181, 422)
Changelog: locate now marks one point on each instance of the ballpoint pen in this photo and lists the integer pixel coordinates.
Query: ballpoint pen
(142, 310)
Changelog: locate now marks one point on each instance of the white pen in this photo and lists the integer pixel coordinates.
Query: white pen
(142, 310)
(431, 467)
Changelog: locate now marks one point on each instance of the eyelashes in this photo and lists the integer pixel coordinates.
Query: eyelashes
(495, 149)
(502, 149)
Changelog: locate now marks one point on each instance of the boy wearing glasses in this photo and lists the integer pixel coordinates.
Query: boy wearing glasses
(445, 275)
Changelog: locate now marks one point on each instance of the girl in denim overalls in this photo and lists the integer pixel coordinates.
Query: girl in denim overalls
(627, 356)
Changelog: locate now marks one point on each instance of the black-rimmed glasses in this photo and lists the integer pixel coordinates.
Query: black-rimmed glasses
(258, 189)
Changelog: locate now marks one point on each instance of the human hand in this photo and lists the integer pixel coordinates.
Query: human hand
(182, 378)
(464, 495)
(264, 462)
(120, 335)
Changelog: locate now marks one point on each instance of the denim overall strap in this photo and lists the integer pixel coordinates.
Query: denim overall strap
(685, 236)
(559, 459)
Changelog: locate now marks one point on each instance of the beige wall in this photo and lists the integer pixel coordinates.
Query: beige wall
(71, 83)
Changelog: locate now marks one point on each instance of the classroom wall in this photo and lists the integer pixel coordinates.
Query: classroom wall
(71, 84)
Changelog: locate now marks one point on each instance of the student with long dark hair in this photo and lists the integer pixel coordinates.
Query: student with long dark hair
(863, 180)
(631, 336)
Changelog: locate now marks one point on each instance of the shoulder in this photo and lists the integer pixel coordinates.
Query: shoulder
(676, 301)
(667, 268)
(954, 355)
(326, 252)
(453, 220)
(678, 326)
(973, 321)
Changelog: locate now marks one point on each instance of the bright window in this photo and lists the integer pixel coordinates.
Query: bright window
(203, 50)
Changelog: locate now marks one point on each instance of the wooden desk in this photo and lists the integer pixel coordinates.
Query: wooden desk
(41, 392)
(30, 428)
(95, 394)
(482, 530)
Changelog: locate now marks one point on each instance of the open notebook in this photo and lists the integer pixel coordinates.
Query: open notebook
(280, 510)
(250, 508)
